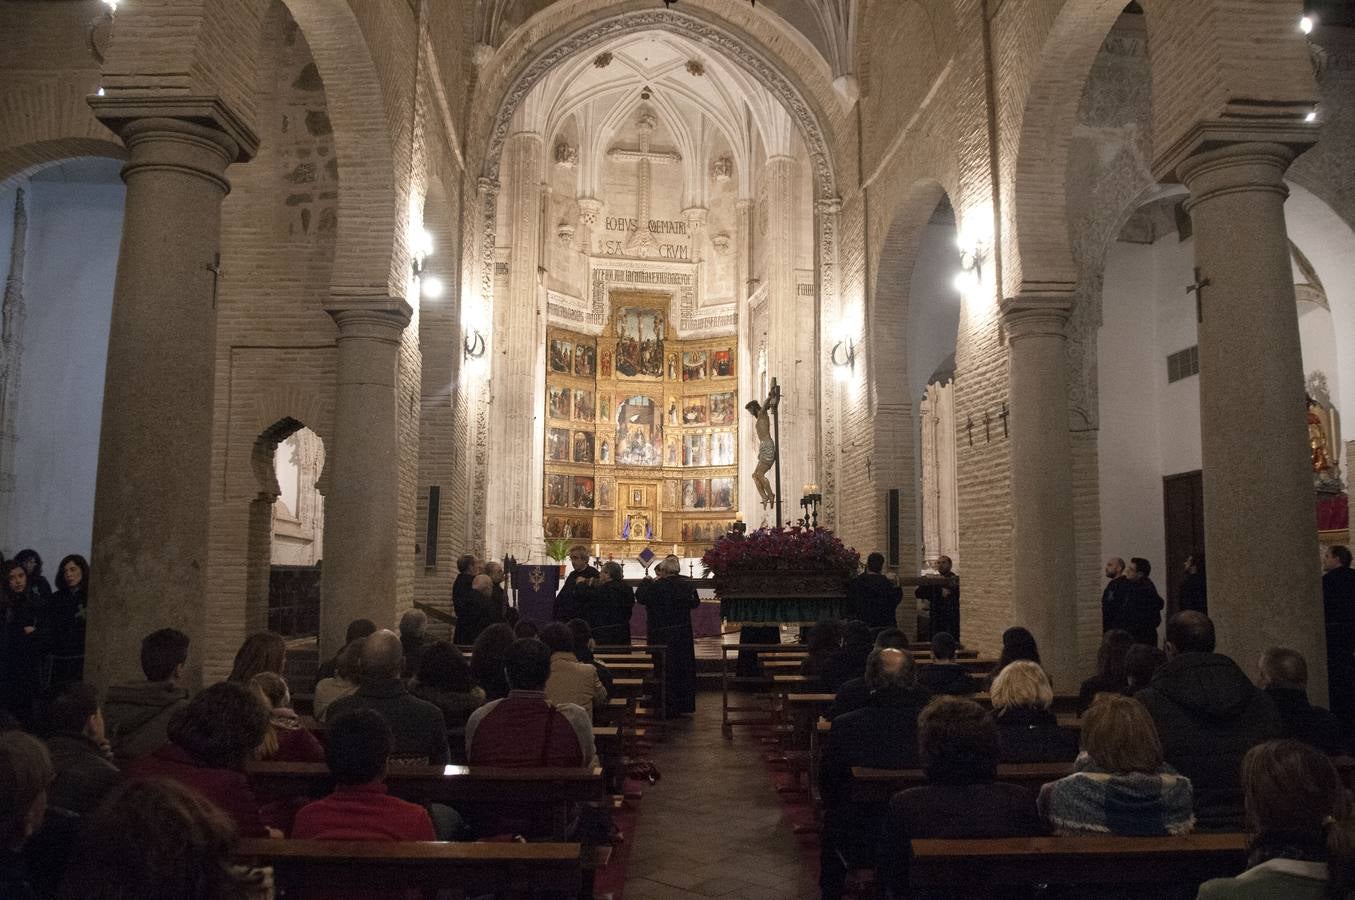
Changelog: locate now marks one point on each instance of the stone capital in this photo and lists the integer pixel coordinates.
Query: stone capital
(590, 209)
(1036, 315)
(1232, 168)
(204, 116)
(1290, 137)
(377, 320)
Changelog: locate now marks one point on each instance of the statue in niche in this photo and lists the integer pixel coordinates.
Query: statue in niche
(606, 364)
(1317, 438)
(672, 366)
(1324, 440)
(566, 157)
(722, 169)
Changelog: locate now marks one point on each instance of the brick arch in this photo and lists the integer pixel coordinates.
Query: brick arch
(18, 161)
(277, 414)
(1037, 253)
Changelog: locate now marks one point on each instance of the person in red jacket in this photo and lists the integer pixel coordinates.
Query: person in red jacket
(357, 749)
(209, 741)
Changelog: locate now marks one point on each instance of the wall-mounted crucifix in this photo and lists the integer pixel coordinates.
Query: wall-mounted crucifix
(969, 427)
(642, 241)
(1198, 290)
(1003, 416)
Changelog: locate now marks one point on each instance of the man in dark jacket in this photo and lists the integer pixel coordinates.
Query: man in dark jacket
(668, 601)
(871, 597)
(1338, 607)
(1208, 715)
(477, 611)
(881, 735)
(581, 576)
(943, 600)
(1112, 598)
(138, 712)
(607, 606)
(79, 750)
(854, 694)
(945, 675)
(357, 630)
(1142, 610)
(1284, 678)
(417, 727)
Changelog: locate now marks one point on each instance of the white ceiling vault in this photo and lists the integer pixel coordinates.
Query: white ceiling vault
(830, 25)
(703, 102)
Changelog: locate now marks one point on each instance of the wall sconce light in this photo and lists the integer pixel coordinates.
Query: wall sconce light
(975, 241)
(430, 286)
(420, 248)
(474, 345)
(843, 358)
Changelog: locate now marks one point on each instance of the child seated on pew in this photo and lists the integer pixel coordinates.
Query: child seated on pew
(1120, 784)
(357, 750)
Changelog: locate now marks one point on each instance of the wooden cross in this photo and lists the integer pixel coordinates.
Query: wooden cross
(1003, 416)
(215, 268)
(969, 427)
(642, 242)
(1198, 290)
(987, 423)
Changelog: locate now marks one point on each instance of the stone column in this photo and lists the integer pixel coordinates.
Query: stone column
(516, 440)
(362, 515)
(1044, 582)
(149, 557)
(784, 332)
(1258, 487)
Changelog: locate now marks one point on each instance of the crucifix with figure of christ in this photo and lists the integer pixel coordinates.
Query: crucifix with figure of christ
(642, 241)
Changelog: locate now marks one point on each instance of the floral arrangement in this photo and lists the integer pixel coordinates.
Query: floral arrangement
(781, 548)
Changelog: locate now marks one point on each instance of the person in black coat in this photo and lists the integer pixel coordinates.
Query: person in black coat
(668, 601)
(32, 564)
(477, 612)
(882, 735)
(21, 651)
(849, 660)
(958, 744)
(1028, 731)
(1283, 675)
(1142, 603)
(853, 694)
(1338, 610)
(568, 600)
(1194, 593)
(607, 606)
(873, 598)
(943, 600)
(64, 629)
(467, 567)
(1112, 598)
(943, 675)
(1208, 715)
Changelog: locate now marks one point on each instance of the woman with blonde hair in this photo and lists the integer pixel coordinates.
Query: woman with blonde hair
(1027, 730)
(285, 739)
(1299, 816)
(1120, 784)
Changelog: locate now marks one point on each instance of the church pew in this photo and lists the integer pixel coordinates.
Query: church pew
(441, 784)
(877, 785)
(982, 866)
(318, 868)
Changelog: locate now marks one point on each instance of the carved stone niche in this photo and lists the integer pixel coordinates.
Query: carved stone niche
(565, 232)
(722, 169)
(566, 156)
(720, 242)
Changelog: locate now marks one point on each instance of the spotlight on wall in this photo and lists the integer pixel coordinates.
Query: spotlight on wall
(112, 5)
(1306, 24)
(431, 286)
(474, 345)
(966, 282)
(1311, 117)
(843, 358)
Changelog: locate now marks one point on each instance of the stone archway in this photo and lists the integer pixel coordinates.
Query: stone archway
(750, 55)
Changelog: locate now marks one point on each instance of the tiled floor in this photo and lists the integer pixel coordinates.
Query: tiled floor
(712, 826)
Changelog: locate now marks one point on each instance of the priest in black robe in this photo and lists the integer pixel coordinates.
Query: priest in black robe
(607, 607)
(1338, 607)
(943, 600)
(668, 601)
(871, 597)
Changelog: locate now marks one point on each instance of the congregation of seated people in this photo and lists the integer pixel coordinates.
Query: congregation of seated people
(153, 772)
(1168, 742)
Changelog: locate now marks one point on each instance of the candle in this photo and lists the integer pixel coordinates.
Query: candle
(597, 550)
(675, 549)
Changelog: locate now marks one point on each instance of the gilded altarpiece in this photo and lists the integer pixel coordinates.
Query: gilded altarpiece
(641, 432)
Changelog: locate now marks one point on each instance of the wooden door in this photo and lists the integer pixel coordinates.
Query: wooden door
(1183, 514)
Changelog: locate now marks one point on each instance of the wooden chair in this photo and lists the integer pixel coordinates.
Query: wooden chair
(317, 868)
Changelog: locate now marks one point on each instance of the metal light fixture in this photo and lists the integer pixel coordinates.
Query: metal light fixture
(843, 358)
(474, 344)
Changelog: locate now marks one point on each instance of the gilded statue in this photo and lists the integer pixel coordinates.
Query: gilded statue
(1317, 438)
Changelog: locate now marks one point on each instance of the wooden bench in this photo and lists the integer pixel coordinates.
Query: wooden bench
(877, 785)
(439, 784)
(980, 866)
(318, 868)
